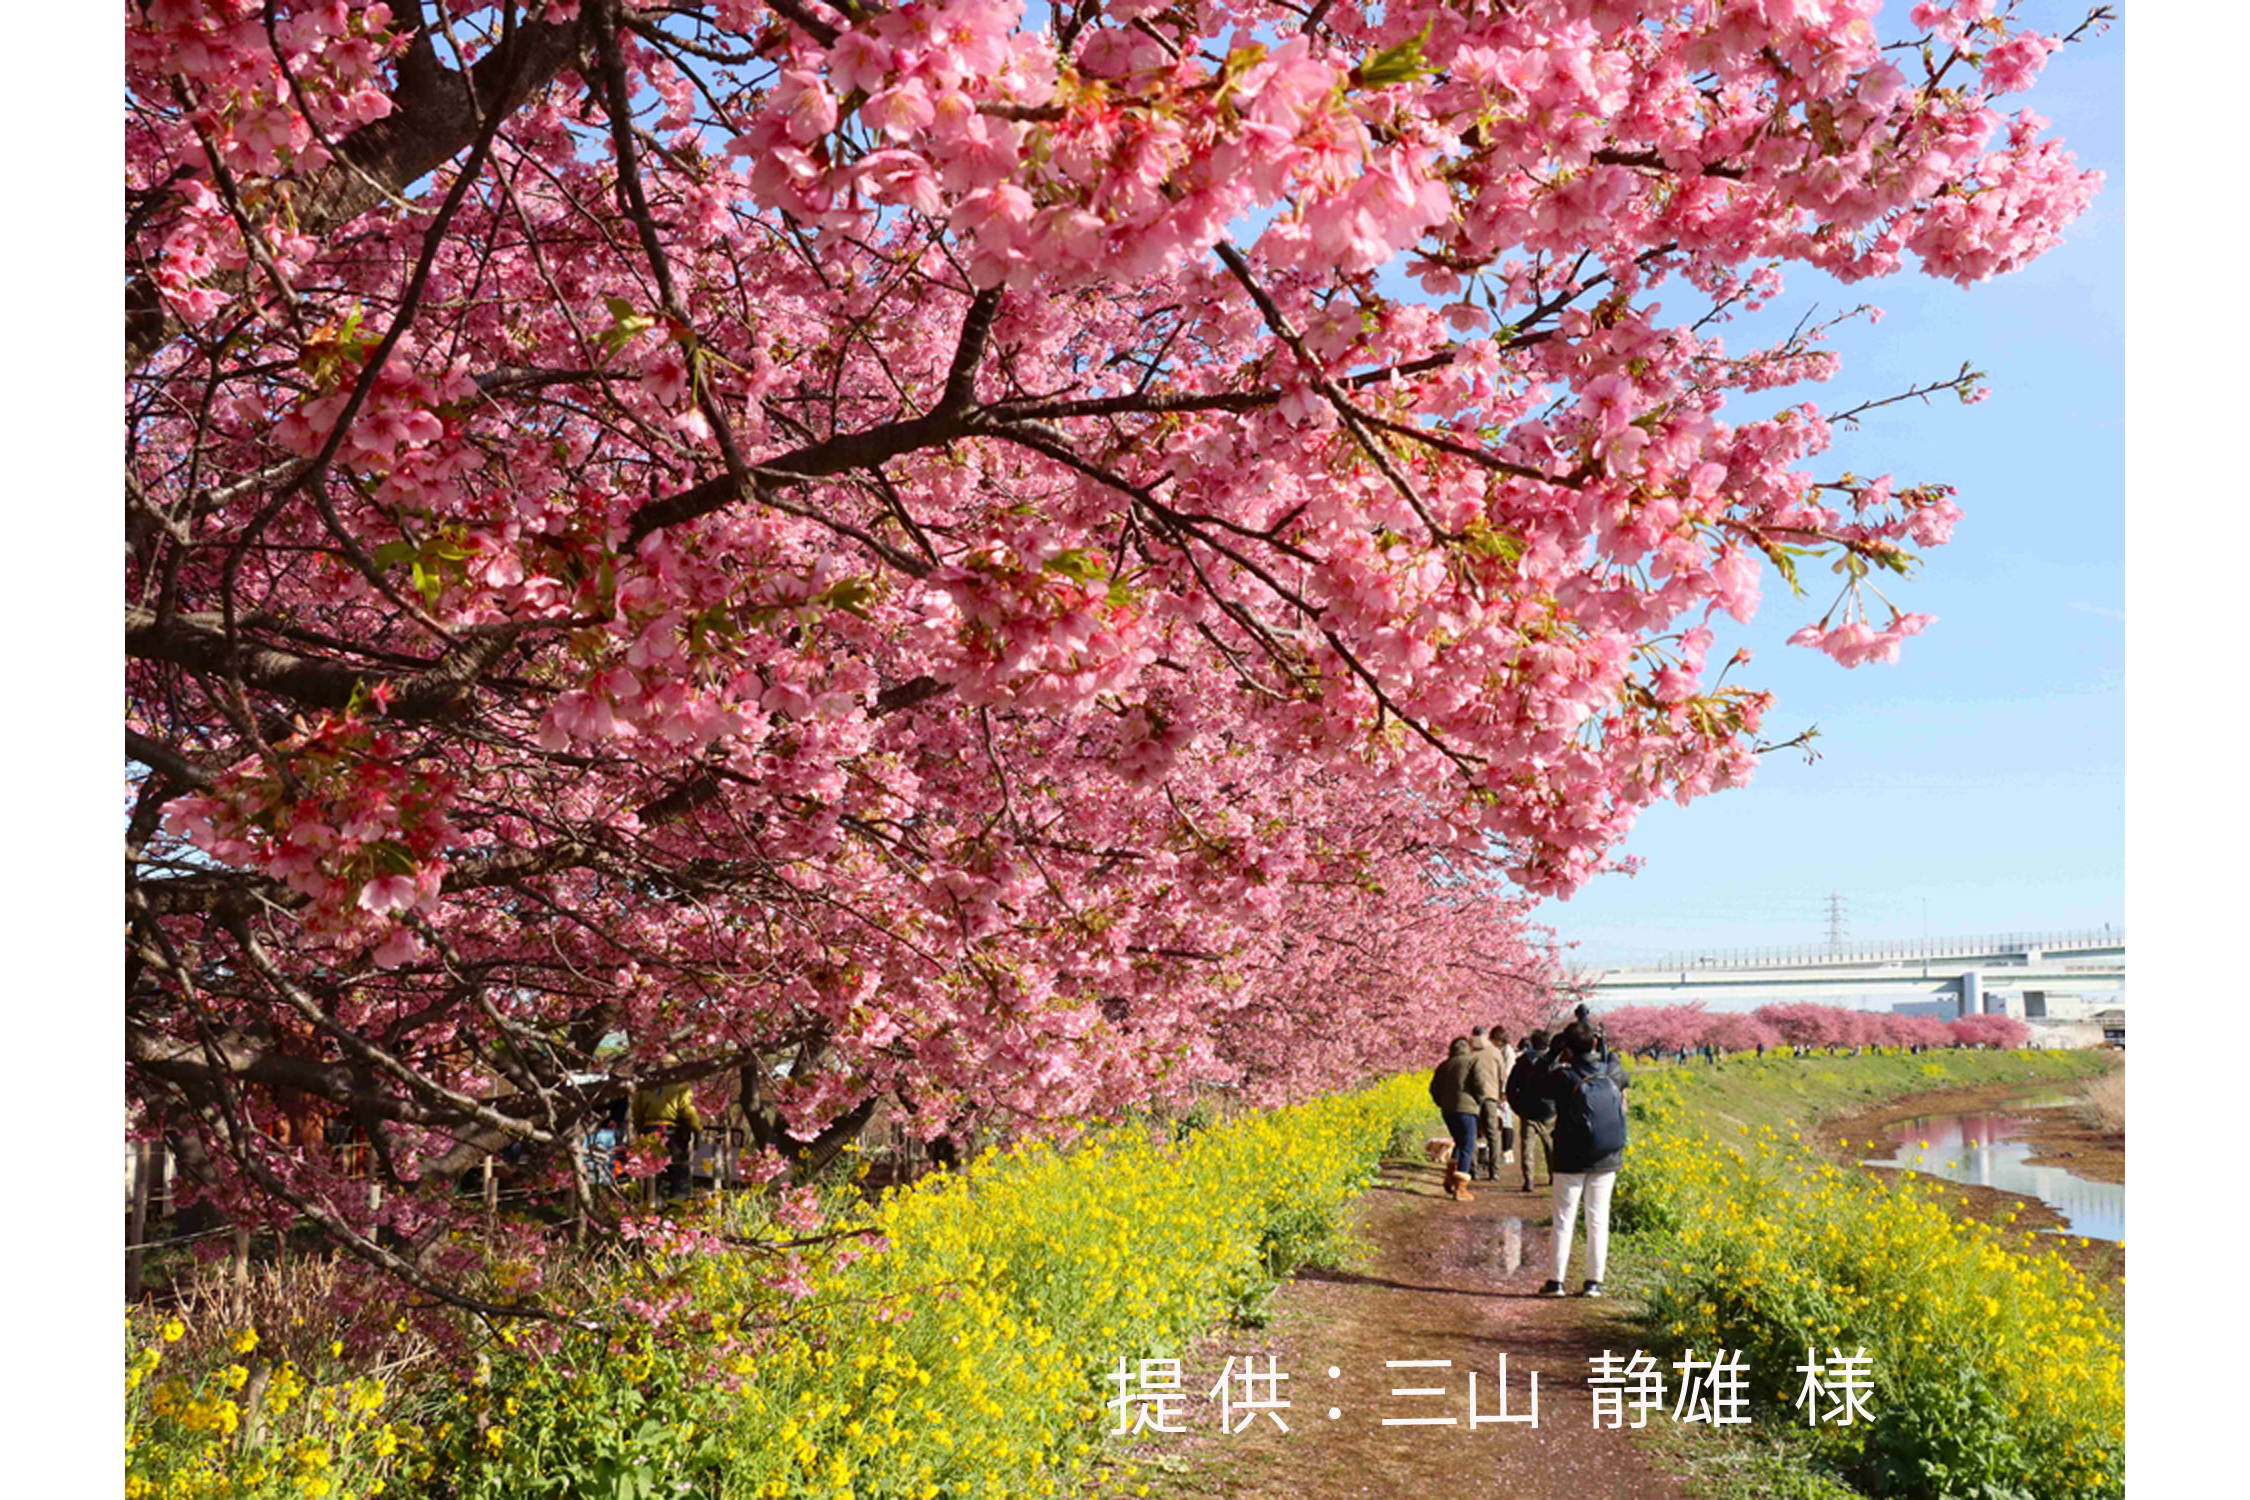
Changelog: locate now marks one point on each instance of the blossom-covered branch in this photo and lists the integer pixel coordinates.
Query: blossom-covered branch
(895, 555)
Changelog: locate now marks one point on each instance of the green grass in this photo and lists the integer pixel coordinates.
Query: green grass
(1785, 1092)
(1744, 1465)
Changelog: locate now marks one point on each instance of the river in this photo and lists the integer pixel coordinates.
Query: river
(1985, 1147)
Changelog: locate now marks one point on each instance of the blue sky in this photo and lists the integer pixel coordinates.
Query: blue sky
(1981, 778)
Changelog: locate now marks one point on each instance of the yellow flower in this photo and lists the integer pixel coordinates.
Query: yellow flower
(174, 1331)
(245, 1341)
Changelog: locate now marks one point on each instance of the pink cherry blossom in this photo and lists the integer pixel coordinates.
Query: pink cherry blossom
(935, 565)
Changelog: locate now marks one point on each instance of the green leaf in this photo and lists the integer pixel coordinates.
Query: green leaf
(1401, 63)
(1486, 540)
(852, 595)
(1076, 563)
(392, 554)
(1240, 61)
(1785, 565)
(718, 621)
(390, 857)
(626, 324)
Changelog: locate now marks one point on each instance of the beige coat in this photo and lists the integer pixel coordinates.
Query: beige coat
(1489, 1071)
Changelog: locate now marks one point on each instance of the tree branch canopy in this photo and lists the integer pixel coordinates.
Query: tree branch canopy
(784, 551)
(432, 117)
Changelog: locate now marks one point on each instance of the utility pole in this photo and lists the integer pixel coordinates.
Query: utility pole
(1835, 922)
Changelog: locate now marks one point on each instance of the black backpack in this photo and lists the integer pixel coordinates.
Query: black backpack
(1591, 1121)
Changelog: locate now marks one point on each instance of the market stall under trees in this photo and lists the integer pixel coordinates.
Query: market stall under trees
(935, 553)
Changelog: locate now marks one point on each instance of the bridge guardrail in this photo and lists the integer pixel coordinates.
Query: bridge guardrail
(1879, 950)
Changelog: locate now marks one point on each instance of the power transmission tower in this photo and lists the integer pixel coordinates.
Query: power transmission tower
(1835, 922)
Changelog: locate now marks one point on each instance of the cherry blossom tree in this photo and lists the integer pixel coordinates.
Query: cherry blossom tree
(1802, 1023)
(1990, 1030)
(1629, 1028)
(1924, 1031)
(1736, 1032)
(1010, 562)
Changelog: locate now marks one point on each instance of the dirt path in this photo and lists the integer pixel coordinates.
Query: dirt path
(1460, 1282)
(1446, 1281)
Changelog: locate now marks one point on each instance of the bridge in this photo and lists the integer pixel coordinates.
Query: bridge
(2011, 974)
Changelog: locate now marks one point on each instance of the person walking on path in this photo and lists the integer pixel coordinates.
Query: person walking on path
(1491, 1075)
(1587, 1087)
(671, 1109)
(1586, 1018)
(1453, 1089)
(1535, 1114)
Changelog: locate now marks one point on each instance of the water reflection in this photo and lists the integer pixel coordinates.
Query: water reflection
(1502, 1253)
(1983, 1148)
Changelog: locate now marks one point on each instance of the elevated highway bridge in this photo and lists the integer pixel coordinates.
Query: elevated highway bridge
(2010, 974)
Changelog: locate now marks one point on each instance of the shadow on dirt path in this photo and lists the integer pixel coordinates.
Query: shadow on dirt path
(1446, 1281)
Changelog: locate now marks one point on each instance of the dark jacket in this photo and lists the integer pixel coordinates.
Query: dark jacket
(1557, 1085)
(1524, 1096)
(1453, 1087)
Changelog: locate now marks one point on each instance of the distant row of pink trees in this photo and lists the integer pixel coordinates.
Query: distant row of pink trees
(1799, 1023)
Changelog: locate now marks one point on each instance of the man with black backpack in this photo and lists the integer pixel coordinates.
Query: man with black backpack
(1585, 1086)
(1534, 1112)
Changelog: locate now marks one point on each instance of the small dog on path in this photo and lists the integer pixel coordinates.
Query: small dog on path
(1438, 1149)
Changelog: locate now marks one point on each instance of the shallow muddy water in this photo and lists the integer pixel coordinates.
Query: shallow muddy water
(1502, 1252)
(1984, 1147)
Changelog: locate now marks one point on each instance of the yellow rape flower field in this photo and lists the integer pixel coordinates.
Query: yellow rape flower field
(946, 1339)
(1999, 1370)
(951, 1338)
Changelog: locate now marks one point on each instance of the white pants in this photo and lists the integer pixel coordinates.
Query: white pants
(1595, 1188)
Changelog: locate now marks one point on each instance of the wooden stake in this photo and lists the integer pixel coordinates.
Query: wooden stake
(136, 1227)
